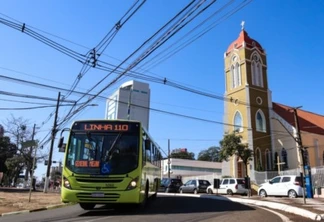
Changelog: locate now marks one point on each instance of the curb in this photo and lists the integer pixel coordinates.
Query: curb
(35, 210)
(272, 205)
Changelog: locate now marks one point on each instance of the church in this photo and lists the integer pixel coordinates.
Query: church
(268, 128)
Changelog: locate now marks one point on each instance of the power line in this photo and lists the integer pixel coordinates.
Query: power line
(94, 54)
(31, 96)
(101, 97)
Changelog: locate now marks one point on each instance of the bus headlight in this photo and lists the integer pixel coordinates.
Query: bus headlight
(132, 184)
(66, 183)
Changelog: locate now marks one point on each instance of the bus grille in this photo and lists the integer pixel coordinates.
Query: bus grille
(108, 197)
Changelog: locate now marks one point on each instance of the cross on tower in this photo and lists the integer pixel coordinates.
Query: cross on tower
(242, 24)
(279, 163)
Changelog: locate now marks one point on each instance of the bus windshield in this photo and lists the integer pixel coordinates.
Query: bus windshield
(102, 153)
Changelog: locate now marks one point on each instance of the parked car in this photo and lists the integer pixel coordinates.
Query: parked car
(229, 186)
(170, 185)
(287, 185)
(194, 186)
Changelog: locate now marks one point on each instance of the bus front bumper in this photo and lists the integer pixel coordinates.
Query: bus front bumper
(101, 197)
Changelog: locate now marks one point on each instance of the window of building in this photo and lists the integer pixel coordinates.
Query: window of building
(257, 77)
(238, 122)
(268, 159)
(201, 169)
(317, 152)
(236, 75)
(284, 156)
(306, 157)
(260, 121)
(258, 159)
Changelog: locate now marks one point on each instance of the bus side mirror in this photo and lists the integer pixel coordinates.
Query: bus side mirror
(61, 145)
(147, 144)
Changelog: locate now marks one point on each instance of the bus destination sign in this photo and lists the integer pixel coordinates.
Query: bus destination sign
(106, 126)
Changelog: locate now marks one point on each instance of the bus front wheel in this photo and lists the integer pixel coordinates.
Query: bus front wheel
(87, 206)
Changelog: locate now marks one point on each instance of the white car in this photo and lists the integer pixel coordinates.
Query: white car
(286, 185)
(229, 186)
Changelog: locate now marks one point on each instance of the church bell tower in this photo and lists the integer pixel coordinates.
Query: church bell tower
(248, 102)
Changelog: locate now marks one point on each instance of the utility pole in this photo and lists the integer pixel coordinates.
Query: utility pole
(52, 145)
(301, 149)
(169, 161)
(129, 104)
(33, 166)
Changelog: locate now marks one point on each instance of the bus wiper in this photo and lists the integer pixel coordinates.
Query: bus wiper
(108, 153)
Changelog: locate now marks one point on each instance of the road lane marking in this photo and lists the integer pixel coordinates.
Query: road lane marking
(282, 217)
(101, 218)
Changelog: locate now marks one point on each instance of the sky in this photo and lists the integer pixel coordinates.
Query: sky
(290, 32)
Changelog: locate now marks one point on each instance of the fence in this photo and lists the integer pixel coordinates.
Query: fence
(316, 172)
(262, 177)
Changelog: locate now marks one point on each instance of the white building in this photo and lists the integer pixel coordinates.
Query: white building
(185, 168)
(130, 101)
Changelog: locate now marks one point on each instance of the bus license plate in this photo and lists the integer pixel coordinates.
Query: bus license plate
(97, 194)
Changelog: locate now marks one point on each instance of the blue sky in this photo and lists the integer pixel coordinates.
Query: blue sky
(290, 31)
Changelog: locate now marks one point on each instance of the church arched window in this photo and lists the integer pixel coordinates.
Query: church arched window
(258, 159)
(268, 159)
(236, 72)
(284, 156)
(260, 121)
(233, 77)
(257, 77)
(238, 122)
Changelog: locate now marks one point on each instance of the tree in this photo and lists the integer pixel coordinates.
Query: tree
(232, 145)
(7, 150)
(18, 130)
(211, 154)
(183, 155)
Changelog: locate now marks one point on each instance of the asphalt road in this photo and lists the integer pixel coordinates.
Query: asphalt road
(163, 209)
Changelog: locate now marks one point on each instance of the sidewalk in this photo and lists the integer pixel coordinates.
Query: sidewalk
(14, 200)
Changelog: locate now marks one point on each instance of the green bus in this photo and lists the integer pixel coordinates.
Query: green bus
(109, 162)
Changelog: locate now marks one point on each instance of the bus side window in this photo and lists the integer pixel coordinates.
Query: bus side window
(143, 152)
(148, 147)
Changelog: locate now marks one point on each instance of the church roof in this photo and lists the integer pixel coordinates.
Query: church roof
(308, 121)
(249, 42)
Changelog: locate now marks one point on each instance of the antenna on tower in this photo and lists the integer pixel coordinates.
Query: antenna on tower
(242, 24)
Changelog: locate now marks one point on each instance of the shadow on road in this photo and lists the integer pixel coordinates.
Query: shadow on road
(171, 205)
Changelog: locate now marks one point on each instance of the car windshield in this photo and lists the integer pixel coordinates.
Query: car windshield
(204, 182)
(98, 153)
(164, 181)
(240, 181)
(176, 181)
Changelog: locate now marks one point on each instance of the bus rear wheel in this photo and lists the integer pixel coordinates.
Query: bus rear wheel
(87, 206)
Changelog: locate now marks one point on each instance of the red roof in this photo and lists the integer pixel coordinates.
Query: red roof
(308, 121)
(244, 37)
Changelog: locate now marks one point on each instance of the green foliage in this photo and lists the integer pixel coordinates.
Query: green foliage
(183, 155)
(232, 145)
(7, 151)
(211, 154)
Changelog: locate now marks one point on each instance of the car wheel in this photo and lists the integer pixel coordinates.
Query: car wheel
(292, 194)
(263, 193)
(195, 191)
(229, 192)
(210, 191)
(87, 206)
